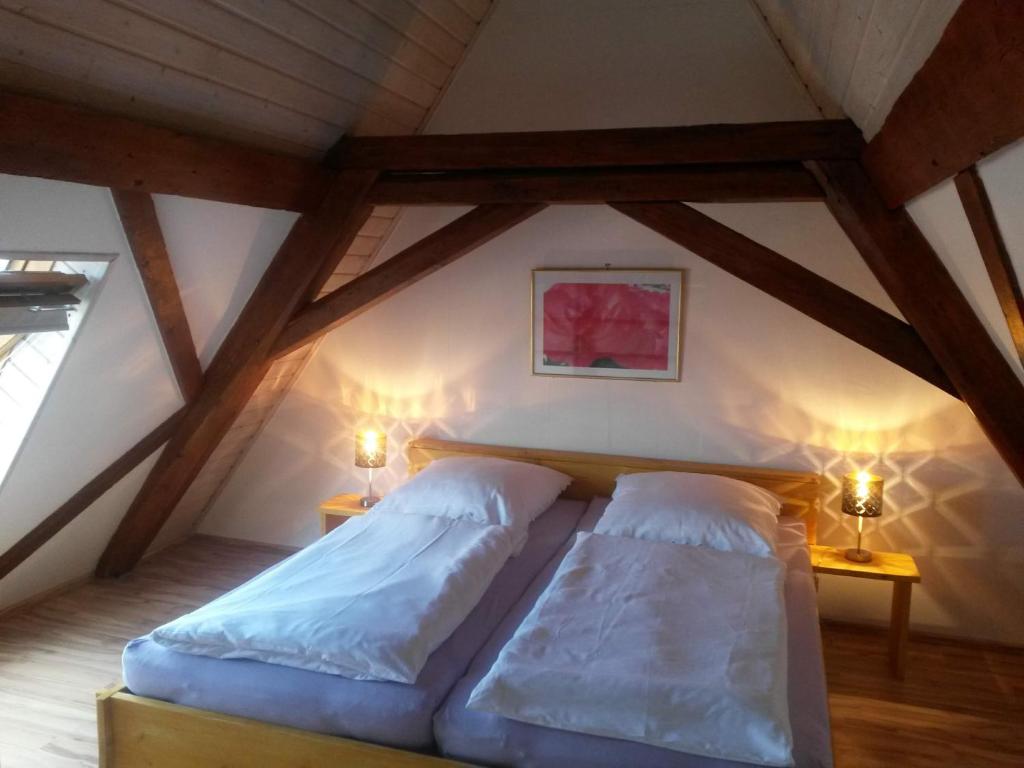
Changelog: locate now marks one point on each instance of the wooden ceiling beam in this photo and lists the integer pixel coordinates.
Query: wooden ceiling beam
(920, 285)
(361, 211)
(795, 285)
(963, 104)
(239, 366)
(330, 264)
(726, 143)
(994, 253)
(142, 229)
(722, 183)
(400, 271)
(50, 526)
(58, 141)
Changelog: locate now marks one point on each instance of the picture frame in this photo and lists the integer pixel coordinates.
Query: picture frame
(607, 323)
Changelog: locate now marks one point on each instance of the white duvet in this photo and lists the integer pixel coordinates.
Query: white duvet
(676, 646)
(371, 601)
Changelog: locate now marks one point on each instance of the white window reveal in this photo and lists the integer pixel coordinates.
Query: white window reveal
(43, 300)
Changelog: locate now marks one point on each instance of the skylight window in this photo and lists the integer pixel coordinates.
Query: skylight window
(43, 300)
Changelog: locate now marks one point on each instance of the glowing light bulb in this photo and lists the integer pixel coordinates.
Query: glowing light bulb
(863, 479)
(371, 441)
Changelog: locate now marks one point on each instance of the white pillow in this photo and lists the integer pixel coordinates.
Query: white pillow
(483, 489)
(695, 509)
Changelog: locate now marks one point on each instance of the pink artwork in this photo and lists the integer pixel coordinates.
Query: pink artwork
(607, 323)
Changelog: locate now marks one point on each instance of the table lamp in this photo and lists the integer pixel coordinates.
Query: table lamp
(371, 453)
(862, 497)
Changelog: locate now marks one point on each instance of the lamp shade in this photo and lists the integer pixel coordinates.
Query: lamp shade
(862, 494)
(371, 449)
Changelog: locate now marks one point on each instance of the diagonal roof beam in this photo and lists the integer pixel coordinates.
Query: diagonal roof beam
(239, 366)
(52, 140)
(363, 212)
(993, 252)
(920, 285)
(795, 285)
(22, 549)
(414, 263)
(964, 103)
(142, 228)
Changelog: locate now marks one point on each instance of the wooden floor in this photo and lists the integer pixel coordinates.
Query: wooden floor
(55, 656)
(960, 706)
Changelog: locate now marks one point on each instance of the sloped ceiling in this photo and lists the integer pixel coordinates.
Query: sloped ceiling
(857, 56)
(293, 76)
(288, 76)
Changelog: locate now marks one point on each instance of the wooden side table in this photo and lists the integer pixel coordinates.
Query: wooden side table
(337, 509)
(898, 568)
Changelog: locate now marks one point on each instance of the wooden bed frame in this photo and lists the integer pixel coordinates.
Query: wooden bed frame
(136, 731)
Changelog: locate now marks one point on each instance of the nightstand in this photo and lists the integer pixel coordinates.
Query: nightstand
(898, 568)
(337, 509)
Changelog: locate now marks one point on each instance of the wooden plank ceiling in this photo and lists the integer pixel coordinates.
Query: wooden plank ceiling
(857, 56)
(288, 76)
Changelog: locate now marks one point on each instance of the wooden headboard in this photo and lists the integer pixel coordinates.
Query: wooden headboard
(594, 473)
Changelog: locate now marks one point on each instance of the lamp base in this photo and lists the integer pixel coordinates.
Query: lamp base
(368, 501)
(858, 555)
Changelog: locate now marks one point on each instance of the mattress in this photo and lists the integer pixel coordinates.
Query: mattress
(389, 713)
(485, 738)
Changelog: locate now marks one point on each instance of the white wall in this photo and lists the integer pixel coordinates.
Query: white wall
(115, 384)
(219, 252)
(761, 383)
(940, 215)
(112, 388)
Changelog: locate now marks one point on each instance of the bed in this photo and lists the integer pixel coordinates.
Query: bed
(494, 740)
(382, 712)
(144, 730)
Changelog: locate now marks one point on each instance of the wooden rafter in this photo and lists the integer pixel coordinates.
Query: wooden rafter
(835, 307)
(240, 365)
(330, 264)
(993, 252)
(723, 183)
(732, 143)
(85, 497)
(414, 263)
(923, 290)
(360, 213)
(52, 140)
(142, 228)
(963, 104)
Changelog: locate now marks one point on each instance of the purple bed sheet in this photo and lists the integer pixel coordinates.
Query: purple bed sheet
(393, 714)
(488, 739)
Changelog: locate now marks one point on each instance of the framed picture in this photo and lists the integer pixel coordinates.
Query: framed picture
(607, 323)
